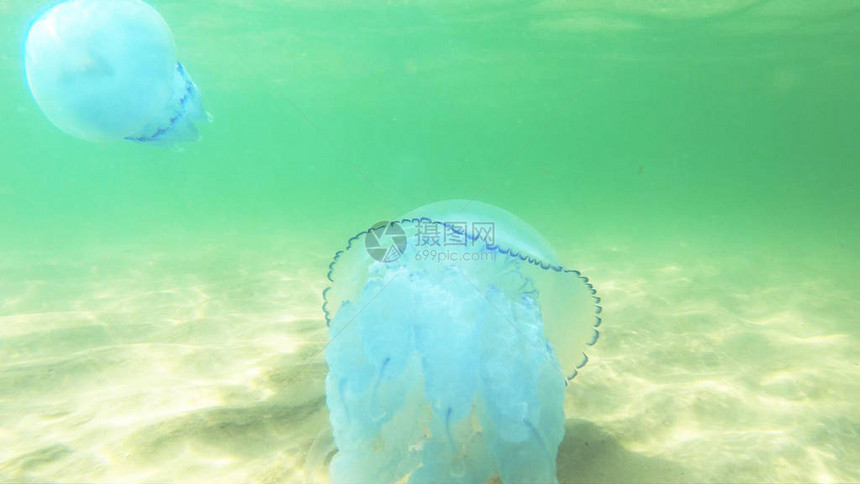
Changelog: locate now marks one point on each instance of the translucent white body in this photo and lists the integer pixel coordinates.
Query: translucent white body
(107, 69)
(453, 368)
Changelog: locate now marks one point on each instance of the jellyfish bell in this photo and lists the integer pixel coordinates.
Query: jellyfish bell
(453, 357)
(494, 225)
(103, 70)
(570, 306)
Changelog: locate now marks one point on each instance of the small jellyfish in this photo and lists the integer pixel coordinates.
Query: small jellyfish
(103, 70)
(453, 333)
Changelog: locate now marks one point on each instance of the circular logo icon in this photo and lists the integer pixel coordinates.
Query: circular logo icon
(385, 241)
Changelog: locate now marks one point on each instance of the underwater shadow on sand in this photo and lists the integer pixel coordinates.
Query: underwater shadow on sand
(588, 454)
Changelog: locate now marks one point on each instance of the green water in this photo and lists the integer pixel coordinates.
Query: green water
(699, 161)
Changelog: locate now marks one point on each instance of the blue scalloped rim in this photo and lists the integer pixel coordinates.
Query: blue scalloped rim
(180, 111)
(501, 250)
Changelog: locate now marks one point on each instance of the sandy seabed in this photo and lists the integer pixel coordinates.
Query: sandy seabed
(204, 365)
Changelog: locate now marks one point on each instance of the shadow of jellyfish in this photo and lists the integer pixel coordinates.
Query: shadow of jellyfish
(102, 70)
(453, 333)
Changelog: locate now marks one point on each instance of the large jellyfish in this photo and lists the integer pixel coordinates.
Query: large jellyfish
(106, 69)
(453, 333)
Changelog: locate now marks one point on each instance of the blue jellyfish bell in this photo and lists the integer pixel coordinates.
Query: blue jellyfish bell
(104, 70)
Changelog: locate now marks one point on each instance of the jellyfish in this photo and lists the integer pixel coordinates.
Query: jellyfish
(106, 69)
(453, 334)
